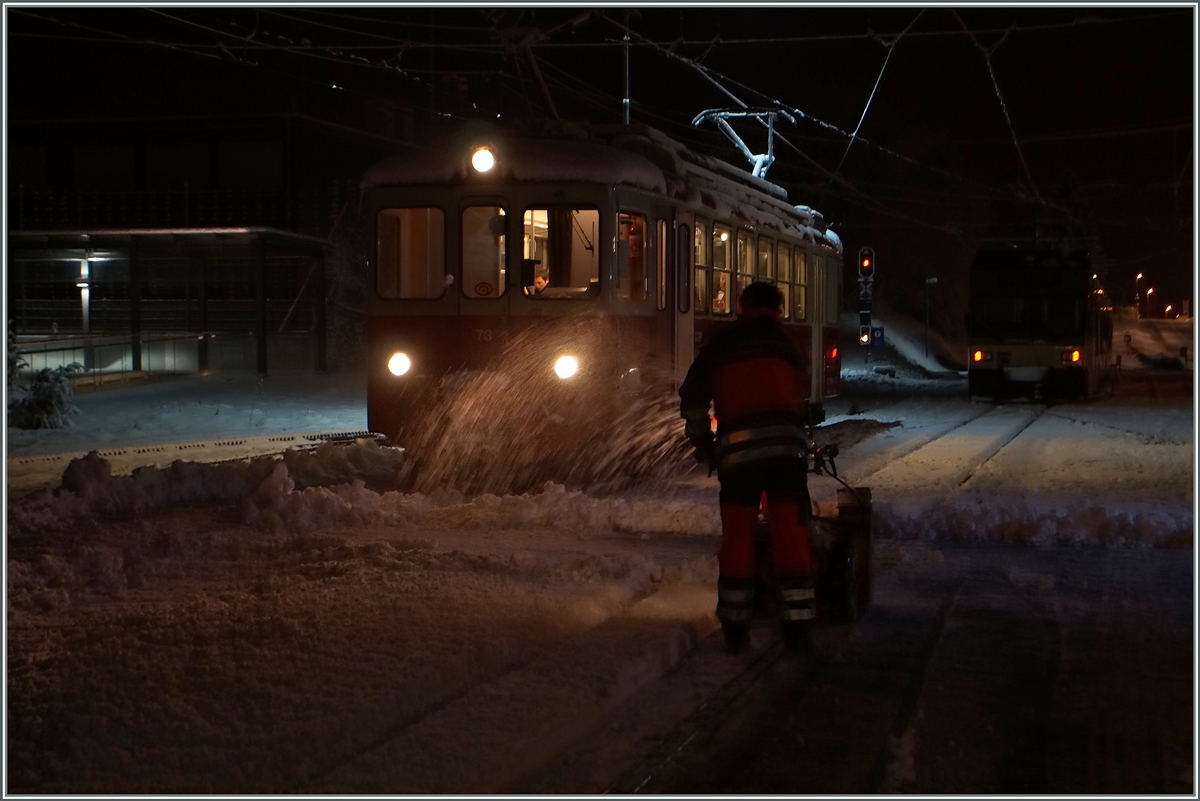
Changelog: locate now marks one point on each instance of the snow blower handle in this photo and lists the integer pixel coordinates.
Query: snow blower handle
(823, 457)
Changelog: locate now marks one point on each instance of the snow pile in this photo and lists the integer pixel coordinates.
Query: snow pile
(1153, 343)
(333, 492)
(277, 504)
(89, 487)
(998, 519)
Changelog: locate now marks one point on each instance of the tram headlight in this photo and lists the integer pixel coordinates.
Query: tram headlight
(399, 364)
(566, 366)
(483, 159)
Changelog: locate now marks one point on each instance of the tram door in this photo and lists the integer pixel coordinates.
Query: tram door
(682, 253)
(816, 310)
(673, 292)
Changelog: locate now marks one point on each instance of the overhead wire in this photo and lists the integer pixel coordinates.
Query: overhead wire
(891, 48)
(865, 199)
(987, 60)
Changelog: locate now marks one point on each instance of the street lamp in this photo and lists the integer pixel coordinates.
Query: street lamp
(1167, 311)
(1137, 297)
(1149, 292)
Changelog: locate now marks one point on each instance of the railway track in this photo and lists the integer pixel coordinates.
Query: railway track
(947, 457)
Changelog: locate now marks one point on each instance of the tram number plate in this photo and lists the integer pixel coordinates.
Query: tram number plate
(483, 335)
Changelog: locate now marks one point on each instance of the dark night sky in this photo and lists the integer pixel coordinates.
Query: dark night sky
(1101, 100)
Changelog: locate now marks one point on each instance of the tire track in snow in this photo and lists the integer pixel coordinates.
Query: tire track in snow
(948, 461)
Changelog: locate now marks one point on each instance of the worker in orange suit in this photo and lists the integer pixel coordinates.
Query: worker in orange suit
(756, 380)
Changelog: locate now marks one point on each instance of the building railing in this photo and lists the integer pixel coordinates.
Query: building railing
(102, 359)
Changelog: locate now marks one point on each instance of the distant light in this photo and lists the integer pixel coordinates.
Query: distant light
(1095, 276)
(1139, 277)
(482, 159)
(399, 363)
(1149, 291)
(1075, 355)
(864, 337)
(833, 354)
(82, 284)
(1167, 309)
(566, 366)
(334, 86)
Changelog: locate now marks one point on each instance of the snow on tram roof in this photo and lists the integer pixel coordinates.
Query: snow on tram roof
(637, 156)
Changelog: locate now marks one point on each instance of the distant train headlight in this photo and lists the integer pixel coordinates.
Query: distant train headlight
(399, 363)
(483, 159)
(566, 366)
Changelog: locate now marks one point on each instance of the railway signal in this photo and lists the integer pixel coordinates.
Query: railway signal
(866, 264)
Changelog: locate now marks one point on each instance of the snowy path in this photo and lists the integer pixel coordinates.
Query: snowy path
(979, 671)
(265, 627)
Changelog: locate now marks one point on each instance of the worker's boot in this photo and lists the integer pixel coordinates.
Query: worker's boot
(735, 608)
(797, 610)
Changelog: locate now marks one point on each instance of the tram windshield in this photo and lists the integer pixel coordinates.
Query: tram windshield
(410, 256)
(560, 259)
(1028, 317)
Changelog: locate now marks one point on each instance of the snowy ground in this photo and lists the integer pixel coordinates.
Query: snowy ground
(295, 626)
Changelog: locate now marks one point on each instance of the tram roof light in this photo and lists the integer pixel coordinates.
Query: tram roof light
(483, 159)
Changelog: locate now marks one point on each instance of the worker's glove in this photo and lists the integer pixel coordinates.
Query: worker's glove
(700, 435)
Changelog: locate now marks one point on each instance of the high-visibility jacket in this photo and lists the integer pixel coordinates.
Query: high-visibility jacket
(757, 382)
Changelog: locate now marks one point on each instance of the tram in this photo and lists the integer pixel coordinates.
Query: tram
(1039, 325)
(600, 257)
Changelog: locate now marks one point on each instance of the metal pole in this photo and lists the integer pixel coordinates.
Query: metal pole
(929, 282)
(625, 46)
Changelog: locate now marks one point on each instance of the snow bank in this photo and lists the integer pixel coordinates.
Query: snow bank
(267, 497)
(999, 519)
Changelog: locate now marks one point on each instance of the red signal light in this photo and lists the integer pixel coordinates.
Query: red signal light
(833, 354)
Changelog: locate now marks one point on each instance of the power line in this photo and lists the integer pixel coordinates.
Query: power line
(891, 48)
(987, 59)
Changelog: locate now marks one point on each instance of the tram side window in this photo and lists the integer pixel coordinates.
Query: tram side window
(766, 266)
(783, 269)
(411, 253)
(661, 249)
(559, 257)
(722, 281)
(800, 285)
(483, 239)
(701, 258)
(745, 261)
(631, 264)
